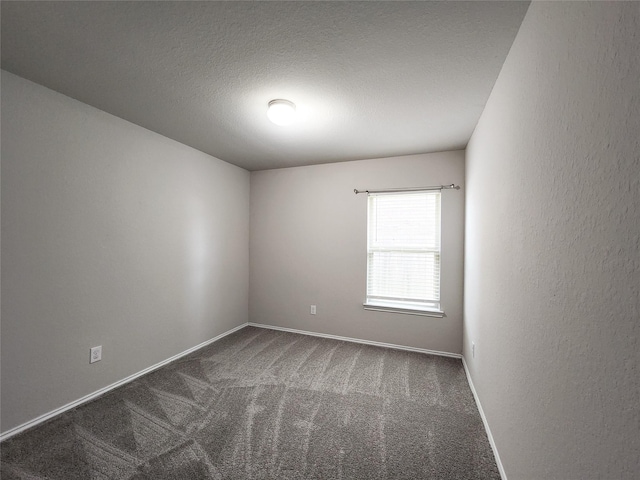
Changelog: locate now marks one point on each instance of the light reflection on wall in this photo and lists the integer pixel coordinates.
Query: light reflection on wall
(199, 255)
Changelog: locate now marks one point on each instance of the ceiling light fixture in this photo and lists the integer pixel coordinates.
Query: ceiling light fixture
(281, 112)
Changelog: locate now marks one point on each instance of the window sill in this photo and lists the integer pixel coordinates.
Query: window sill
(405, 311)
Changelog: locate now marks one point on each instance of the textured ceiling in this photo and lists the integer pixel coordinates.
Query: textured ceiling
(370, 79)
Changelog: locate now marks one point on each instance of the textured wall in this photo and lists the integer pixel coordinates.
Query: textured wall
(111, 235)
(552, 259)
(309, 243)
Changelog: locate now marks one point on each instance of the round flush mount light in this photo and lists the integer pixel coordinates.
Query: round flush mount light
(281, 112)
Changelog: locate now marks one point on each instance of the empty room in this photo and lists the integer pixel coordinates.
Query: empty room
(320, 240)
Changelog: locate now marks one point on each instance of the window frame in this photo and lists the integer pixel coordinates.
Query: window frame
(431, 308)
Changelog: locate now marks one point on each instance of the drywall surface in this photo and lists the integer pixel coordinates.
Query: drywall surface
(111, 235)
(309, 243)
(552, 247)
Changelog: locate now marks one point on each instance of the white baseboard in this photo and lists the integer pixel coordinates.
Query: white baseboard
(358, 340)
(97, 393)
(43, 418)
(503, 474)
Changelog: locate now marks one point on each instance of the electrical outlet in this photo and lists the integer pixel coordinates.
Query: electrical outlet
(473, 349)
(96, 354)
(313, 309)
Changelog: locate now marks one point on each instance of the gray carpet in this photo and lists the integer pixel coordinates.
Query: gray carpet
(263, 404)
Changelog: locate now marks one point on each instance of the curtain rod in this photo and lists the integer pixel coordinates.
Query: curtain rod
(410, 189)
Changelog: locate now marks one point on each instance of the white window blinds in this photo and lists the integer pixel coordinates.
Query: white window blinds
(403, 248)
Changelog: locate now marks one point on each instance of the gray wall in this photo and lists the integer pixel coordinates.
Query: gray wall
(552, 262)
(308, 246)
(111, 235)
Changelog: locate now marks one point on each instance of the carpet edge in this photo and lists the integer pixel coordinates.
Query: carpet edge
(358, 340)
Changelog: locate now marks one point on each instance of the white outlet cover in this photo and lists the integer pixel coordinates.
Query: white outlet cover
(95, 354)
(313, 309)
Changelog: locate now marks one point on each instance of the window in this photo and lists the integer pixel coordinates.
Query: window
(403, 252)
